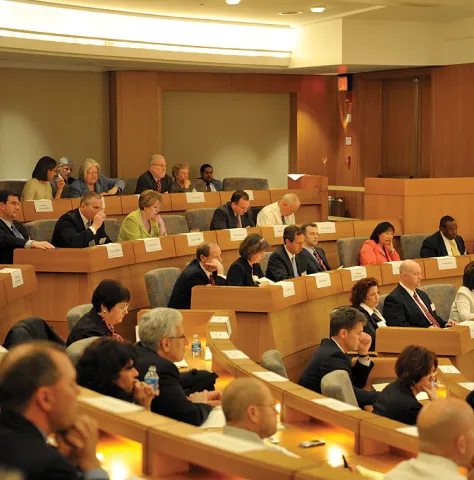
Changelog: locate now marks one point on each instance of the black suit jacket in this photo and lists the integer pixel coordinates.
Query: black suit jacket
(397, 402)
(401, 310)
(434, 246)
(371, 326)
(191, 276)
(8, 241)
(279, 265)
(172, 401)
(224, 217)
(329, 357)
(70, 232)
(147, 182)
(313, 263)
(90, 325)
(24, 449)
(240, 273)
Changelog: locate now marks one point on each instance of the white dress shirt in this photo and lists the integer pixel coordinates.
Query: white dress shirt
(359, 359)
(372, 311)
(208, 273)
(411, 293)
(87, 222)
(271, 215)
(448, 246)
(462, 308)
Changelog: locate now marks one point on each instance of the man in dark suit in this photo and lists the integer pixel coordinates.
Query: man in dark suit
(346, 331)
(162, 342)
(234, 214)
(313, 254)
(82, 227)
(155, 178)
(205, 269)
(445, 242)
(12, 233)
(38, 393)
(407, 306)
(286, 261)
(209, 183)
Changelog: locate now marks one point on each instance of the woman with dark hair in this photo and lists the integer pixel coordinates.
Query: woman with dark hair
(379, 248)
(246, 270)
(462, 308)
(109, 307)
(107, 366)
(365, 297)
(39, 187)
(416, 373)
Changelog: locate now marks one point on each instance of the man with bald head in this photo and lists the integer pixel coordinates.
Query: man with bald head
(281, 212)
(446, 430)
(408, 306)
(38, 393)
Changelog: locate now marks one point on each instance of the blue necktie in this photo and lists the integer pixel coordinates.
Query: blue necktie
(295, 268)
(16, 232)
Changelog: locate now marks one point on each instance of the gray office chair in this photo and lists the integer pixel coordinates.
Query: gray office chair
(76, 313)
(338, 385)
(271, 360)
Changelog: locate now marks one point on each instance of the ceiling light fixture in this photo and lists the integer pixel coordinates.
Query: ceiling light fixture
(290, 13)
(318, 9)
(232, 2)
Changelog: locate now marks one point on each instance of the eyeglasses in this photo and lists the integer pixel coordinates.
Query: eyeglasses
(272, 405)
(183, 337)
(123, 306)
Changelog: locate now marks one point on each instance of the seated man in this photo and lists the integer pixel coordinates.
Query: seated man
(12, 233)
(156, 177)
(38, 398)
(286, 261)
(162, 342)
(82, 227)
(406, 306)
(281, 212)
(313, 254)
(205, 269)
(445, 242)
(347, 334)
(207, 177)
(234, 214)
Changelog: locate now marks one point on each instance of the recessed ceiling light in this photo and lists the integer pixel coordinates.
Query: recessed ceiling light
(290, 13)
(232, 2)
(318, 9)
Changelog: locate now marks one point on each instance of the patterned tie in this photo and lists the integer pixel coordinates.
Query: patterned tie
(320, 260)
(283, 221)
(211, 279)
(111, 331)
(16, 233)
(295, 268)
(158, 186)
(454, 248)
(425, 310)
(239, 221)
(208, 187)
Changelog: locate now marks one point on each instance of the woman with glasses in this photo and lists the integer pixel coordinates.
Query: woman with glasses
(39, 187)
(109, 307)
(416, 373)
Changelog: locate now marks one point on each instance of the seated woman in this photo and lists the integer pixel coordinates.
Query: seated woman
(463, 305)
(246, 270)
(415, 369)
(39, 187)
(91, 180)
(181, 182)
(365, 297)
(145, 222)
(109, 307)
(379, 248)
(108, 367)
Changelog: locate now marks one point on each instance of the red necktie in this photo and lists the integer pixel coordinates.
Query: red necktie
(208, 187)
(211, 279)
(425, 310)
(158, 186)
(320, 260)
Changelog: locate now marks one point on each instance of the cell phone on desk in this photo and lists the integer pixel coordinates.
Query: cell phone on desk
(312, 443)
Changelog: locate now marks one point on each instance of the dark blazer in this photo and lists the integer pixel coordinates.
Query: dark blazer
(8, 241)
(224, 217)
(397, 402)
(25, 449)
(70, 232)
(172, 401)
(200, 185)
(329, 357)
(401, 310)
(240, 273)
(371, 326)
(90, 325)
(191, 276)
(147, 182)
(311, 259)
(434, 246)
(279, 265)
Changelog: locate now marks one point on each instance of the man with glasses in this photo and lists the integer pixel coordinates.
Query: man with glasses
(64, 171)
(156, 177)
(162, 343)
(84, 226)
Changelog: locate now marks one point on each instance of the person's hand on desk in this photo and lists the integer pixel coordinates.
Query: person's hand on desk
(143, 394)
(42, 245)
(451, 323)
(214, 398)
(365, 341)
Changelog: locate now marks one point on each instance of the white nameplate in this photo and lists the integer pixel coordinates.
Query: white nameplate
(470, 324)
(152, 244)
(288, 288)
(194, 239)
(412, 431)
(326, 227)
(15, 274)
(334, 404)
(296, 176)
(250, 194)
(226, 442)
(114, 250)
(378, 387)
(357, 273)
(225, 320)
(182, 364)
(237, 234)
(395, 267)
(195, 197)
(207, 353)
(103, 203)
(219, 335)
(323, 279)
(270, 376)
(235, 354)
(446, 263)
(448, 369)
(278, 230)
(43, 206)
(113, 405)
(467, 385)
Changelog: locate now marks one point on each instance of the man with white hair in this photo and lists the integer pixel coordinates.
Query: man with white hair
(281, 212)
(162, 342)
(155, 178)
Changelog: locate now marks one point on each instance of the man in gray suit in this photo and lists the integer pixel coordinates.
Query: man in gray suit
(314, 254)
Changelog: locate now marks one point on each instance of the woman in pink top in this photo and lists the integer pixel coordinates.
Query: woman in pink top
(379, 248)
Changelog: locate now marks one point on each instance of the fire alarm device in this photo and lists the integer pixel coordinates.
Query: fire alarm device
(344, 83)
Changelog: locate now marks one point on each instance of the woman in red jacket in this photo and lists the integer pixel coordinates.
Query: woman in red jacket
(379, 248)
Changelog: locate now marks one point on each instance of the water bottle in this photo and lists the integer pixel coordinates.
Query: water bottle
(196, 346)
(152, 378)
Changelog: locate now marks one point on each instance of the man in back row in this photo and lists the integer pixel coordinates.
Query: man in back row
(155, 178)
(234, 214)
(281, 212)
(445, 242)
(207, 177)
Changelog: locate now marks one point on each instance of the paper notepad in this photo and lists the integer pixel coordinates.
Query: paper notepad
(15, 274)
(113, 405)
(182, 364)
(334, 404)
(207, 354)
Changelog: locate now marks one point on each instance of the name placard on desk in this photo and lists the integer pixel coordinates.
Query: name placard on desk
(357, 273)
(43, 206)
(219, 335)
(195, 197)
(15, 274)
(446, 263)
(278, 230)
(395, 267)
(194, 239)
(114, 250)
(288, 288)
(237, 234)
(326, 227)
(221, 319)
(250, 194)
(323, 279)
(152, 244)
(235, 354)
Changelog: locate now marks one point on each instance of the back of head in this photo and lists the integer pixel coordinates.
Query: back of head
(238, 396)
(157, 324)
(345, 318)
(290, 199)
(414, 363)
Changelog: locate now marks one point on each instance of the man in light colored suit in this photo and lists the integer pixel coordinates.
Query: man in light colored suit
(281, 212)
(314, 254)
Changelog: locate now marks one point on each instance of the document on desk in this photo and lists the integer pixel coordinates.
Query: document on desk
(216, 419)
(357, 273)
(194, 238)
(152, 244)
(470, 324)
(413, 430)
(448, 368)
(234, 354)
(270, 376)
(226, 442)
(15, 274)
(334, 404)
(114, 250)
(288, 288)
(219, 335)
(222, 319)
(113, 405)
(395, 267)
(446, 263)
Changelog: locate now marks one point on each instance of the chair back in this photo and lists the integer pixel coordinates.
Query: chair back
(381, 303)
(271, 360)
(175, 224)
(76, 349)
(41, 230)
(76, 313)
(199, 219)
(15, 185)
(159, 285)
(112, 228)
(264, 261)
(348, 250)
(130, 186)
(442, 295)
(30, 329)
(241, 183)
(410, 245)
(337, 384)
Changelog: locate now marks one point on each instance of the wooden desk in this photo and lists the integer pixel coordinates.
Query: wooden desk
(113, 204)
(179, 201)
(261, 198)
(230, 248)
(432, 271)
(364, 228)
(130, 203)
(60, 207)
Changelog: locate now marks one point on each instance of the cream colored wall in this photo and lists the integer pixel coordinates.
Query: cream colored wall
(239, 134)
(55, 113)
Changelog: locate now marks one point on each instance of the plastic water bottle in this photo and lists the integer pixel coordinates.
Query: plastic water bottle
(196, 346)
(152, 378)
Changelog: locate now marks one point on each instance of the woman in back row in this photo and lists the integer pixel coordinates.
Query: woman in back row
(379, 248)
(39, 186)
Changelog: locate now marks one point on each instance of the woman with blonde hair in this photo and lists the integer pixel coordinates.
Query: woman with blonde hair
(145, 222)
(181, 182)
(91, 180)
